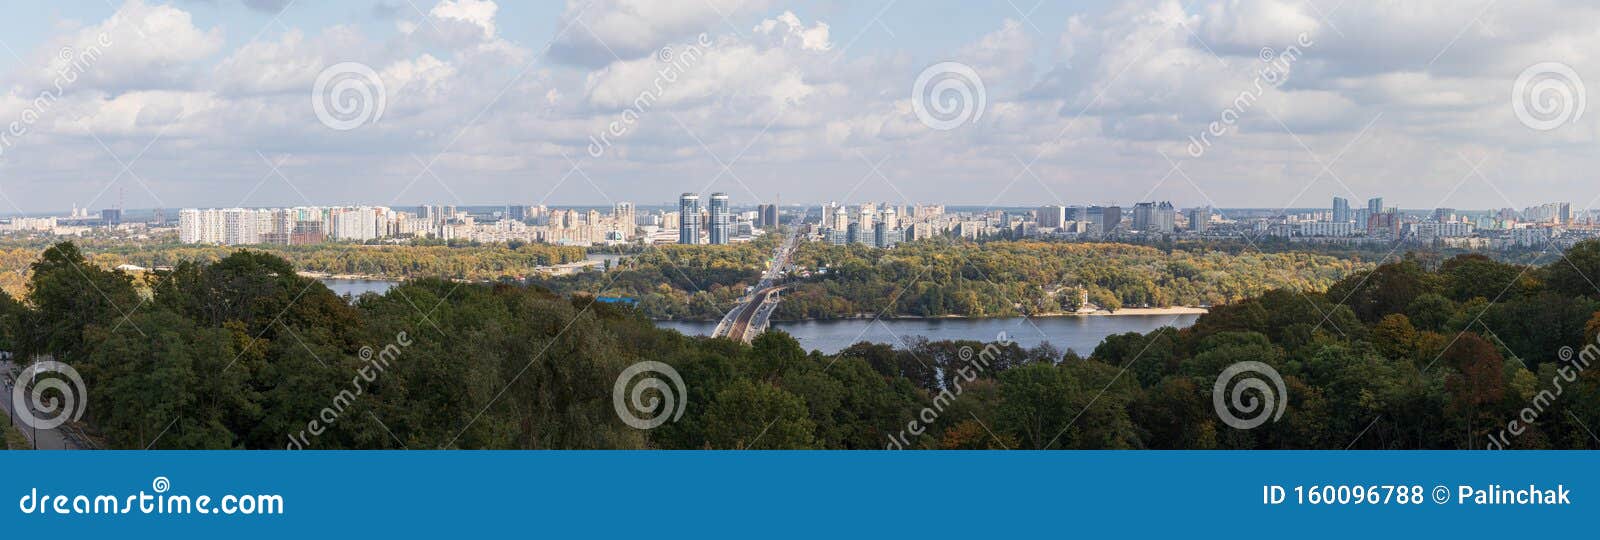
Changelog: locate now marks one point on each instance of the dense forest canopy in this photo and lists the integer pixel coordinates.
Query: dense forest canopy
(468, 262)
(937, 277)
(243, 353)
(942, 277)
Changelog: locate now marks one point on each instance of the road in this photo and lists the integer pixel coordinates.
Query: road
(43, 439)
(740, 329)
(736, 324)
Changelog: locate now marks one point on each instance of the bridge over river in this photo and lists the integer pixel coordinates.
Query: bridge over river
(751, 316)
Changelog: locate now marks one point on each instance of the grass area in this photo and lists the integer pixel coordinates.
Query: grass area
(14, 439)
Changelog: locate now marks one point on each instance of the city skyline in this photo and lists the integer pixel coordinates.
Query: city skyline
(883, 225)
(748, 204)
(212, 103)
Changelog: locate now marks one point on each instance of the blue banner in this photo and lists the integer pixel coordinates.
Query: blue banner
(796, 494)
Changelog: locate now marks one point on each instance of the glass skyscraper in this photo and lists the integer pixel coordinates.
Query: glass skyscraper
(689, 219)
(721, 218)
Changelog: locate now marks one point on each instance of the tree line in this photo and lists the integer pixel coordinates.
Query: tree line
(397, 262)
(949, 277)
(243, 353)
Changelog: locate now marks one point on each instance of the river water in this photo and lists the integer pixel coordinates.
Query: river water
(1082, 334)
(1077, 333)
(354, 287)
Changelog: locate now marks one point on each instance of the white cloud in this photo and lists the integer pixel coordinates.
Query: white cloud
(287, 65)
(477, 12)
(597, 29)
(1003, 55)
(140, 47)
(1116, 87)
(787, 29)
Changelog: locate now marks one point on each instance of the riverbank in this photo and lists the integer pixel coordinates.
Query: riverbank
(1141, 312)
(1079, 333)
(360, 277)
(1171, 311)
(1124, 312)
(596, 262)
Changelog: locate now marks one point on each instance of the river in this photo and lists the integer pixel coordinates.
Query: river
(355, 287)
(1082, 334)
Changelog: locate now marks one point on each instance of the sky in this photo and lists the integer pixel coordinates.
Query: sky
(1232, 103)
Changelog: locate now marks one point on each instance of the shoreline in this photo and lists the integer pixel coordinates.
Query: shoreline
(347, 277)
(1175, 310)
(1125, 312)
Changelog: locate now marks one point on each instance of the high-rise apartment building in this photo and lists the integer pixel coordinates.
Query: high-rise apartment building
(626, 218)
(1154, 217)
(885, 237)
(689, 215)
(1052, 216)
(517, 212)
(767, 216)
(1341, 210)
(1110, 217)
(721, 218)
(1199, 219)
(1384, 223)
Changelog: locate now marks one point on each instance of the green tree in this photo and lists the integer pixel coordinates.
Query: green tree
(750, 415)
(69, 295)
(1577, 272)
